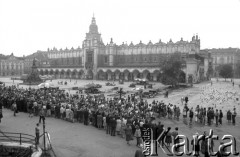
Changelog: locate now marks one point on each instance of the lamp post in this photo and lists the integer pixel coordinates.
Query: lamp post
(44, 138)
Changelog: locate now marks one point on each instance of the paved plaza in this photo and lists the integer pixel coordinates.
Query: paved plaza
(75, 139)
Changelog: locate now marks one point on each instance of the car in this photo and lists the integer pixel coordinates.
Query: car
(74, 88)
(148, 95)
(132, 85)
(110, 84)
(98, 86)
(92, 91)
(93, 85)
(115, 88)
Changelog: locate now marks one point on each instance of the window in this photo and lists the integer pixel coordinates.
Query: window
(106, 59)
(89, 57)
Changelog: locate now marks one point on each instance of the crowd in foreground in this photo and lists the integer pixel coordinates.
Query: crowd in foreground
(118, 117)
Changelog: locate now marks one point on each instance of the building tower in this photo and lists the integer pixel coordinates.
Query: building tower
(90, 50)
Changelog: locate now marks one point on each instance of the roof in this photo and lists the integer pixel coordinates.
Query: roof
(224, 50)
(40, 55)
(3, 56)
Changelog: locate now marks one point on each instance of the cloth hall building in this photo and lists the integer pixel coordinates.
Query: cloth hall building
(95, 60)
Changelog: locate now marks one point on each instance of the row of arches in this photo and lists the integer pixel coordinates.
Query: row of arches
(62, 74)
(129, 75)
(107, 74)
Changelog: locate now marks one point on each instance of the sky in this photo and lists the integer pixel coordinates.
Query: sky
(27, 26)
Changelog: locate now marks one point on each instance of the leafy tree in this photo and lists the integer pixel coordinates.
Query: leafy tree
(226, 71)
(237, 70)
(171, 69)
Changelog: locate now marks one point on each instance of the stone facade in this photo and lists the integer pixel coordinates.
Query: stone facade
(12, 66)
(225, 56)
(95, 60)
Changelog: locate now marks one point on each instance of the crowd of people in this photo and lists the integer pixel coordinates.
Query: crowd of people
(118, 117)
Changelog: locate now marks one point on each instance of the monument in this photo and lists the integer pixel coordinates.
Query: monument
(33, 78)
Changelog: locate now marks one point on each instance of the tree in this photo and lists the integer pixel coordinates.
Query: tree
(237, 70)
(171, 69)
(226, 71)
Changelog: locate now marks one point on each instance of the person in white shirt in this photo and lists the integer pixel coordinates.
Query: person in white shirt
(62, 109)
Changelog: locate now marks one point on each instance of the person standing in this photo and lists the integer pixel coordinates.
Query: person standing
(113, 124)
(37, 133)
(128, 133)
(138, 135)
(48, 108)
(234, 114)
(14, 106)
(186, 99)
(190, 116)
(30, 109)
(209, 117)
(185, 110)
(86, 114)
(118, 127)
(220, 117)
(41, 115)
(216, 117)
(229, 116)
(204, 116)
(108, 118)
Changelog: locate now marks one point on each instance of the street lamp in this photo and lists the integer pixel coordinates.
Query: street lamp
(44, 142)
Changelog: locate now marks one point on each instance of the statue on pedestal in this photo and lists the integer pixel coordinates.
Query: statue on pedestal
(33, 78)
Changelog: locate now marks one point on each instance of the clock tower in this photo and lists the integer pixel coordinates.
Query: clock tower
(91, 50)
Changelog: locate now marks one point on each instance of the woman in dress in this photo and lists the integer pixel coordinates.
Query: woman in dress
(104, 123)
(128, 132)
(118, 127)
(123, 126)
(99, 120)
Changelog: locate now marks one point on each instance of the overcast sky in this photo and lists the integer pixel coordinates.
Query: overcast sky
(30, 25)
